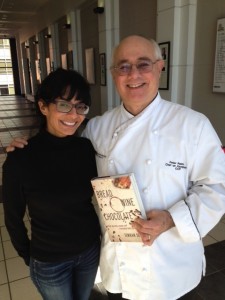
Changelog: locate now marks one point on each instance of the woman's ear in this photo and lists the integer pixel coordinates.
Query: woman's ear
(43, 107)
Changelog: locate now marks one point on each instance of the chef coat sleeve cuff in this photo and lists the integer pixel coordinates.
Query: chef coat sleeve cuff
(184, 222)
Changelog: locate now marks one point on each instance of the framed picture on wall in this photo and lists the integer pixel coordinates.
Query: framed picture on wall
(164, 79)
(102, 69)
(70, 60)
(90, 65)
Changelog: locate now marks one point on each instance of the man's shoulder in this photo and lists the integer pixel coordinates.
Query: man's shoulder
(99, 124)
(183, 110)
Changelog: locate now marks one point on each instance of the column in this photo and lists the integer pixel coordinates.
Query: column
(176, 23)
(76, 40)
(108, 39)
(54, 41)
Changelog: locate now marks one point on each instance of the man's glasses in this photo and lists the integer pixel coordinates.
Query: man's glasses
(142, 67)
(65, 107)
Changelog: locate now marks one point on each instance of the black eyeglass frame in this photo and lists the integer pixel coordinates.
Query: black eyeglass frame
(71, 105)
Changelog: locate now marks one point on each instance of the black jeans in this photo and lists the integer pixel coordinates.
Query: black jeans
(189, 296)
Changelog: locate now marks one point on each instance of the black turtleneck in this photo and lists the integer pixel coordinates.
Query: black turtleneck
(51, 176)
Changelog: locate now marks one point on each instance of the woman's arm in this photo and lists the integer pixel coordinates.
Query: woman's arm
(14, 205)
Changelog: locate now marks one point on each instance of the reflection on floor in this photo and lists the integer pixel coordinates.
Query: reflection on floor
(17, 119)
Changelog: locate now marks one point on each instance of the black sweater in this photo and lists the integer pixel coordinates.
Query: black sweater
(52, 177)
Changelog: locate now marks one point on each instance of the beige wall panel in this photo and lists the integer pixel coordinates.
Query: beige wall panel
(204, 100)
(138, 17)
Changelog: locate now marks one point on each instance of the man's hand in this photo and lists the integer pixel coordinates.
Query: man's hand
(158, 221)
(17, 143)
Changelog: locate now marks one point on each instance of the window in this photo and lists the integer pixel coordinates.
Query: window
(6, 71)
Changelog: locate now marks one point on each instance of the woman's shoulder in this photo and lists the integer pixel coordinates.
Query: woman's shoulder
(85, 145)
(85, 142)
(15, 158)
(21, 152)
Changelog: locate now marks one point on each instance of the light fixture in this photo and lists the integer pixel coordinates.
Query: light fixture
(48, 36)
(35, 42)
(67, 26)
(98, 10)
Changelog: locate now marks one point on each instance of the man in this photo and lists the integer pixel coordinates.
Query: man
(177, 160)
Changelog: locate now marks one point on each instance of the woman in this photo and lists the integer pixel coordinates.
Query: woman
(51, 176)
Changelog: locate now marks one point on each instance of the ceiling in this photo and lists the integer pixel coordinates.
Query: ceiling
(16, 14)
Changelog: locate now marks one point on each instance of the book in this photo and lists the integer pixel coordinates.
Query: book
(119, 203)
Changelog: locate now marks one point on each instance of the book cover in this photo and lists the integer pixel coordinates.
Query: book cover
(119, 203)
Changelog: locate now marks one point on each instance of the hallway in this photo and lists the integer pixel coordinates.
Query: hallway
(17, 118)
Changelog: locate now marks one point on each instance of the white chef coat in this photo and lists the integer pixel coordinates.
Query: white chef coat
(177, 160)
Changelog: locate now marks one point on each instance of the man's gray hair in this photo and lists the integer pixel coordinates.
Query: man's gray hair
(156, 49)
(158, 53)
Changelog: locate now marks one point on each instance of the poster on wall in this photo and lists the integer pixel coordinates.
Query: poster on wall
(48, 65)
(64, 61)
(90, 65)
(219, 68)
(38, 70)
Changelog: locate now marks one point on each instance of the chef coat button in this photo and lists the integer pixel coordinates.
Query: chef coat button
(122, 264)
(155, 131)
(144, 270)
(115, 134)
(111, 161)
(145, 190)
(148, 161)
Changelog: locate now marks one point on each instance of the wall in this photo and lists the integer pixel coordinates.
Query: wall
(204, 100)
(138, 17)
(63, 35)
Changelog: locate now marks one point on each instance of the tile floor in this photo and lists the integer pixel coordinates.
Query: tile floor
(16, 120)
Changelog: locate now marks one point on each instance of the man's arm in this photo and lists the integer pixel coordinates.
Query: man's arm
(17, 143)
(202, 208)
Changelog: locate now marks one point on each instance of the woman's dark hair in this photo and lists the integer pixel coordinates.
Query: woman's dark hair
(63, 84)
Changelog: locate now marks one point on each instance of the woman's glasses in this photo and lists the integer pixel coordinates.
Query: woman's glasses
(66, 106)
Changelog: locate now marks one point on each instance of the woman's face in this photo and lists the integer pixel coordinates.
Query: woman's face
(61, 124)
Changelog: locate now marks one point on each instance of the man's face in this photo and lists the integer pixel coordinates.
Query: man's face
(136, 88)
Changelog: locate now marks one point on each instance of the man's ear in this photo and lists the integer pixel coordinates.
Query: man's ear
(161, 64)
(113, 74)
(43, 107)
